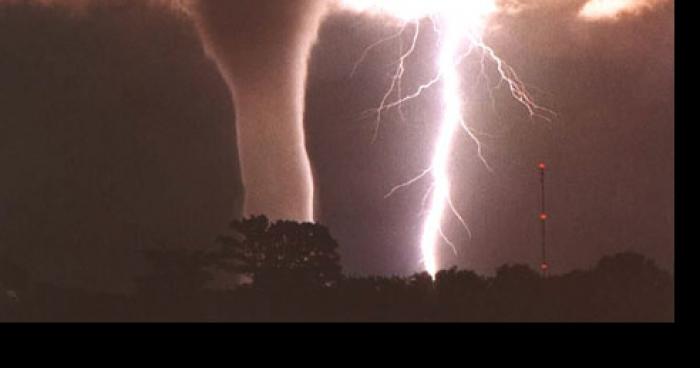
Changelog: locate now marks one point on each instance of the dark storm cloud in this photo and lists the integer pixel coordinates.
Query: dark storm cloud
(116, 136)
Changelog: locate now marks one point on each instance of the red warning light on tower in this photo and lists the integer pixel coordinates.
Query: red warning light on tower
(543, 219)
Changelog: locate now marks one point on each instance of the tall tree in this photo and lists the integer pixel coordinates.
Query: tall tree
(282, 252)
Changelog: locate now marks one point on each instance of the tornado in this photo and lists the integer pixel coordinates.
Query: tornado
(261, 48)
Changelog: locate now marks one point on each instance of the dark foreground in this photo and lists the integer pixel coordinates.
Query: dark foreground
(621, 288)
(286, 271)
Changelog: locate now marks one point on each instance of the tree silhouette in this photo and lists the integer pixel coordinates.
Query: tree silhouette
(516, 294)
(176, 272)
(174, 287)
(454, 283)
(460, 294)
(289, 286)
(629, 286)
(281, 253)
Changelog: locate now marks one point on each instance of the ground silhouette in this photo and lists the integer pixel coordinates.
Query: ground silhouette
(289, 271)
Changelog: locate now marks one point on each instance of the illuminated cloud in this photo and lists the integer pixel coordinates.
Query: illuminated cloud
(613, 9)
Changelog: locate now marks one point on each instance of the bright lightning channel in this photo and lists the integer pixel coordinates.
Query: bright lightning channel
(450, 42)
(457, 22)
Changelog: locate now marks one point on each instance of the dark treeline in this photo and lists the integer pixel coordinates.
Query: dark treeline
(287, 271)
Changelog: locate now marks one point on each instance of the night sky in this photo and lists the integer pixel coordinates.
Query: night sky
(117, 135)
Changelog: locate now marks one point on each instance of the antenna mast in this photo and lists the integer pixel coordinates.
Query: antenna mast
(544, 266)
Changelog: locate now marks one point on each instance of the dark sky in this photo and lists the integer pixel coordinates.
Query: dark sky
(117, 135)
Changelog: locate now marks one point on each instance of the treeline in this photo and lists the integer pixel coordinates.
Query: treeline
(287, 271)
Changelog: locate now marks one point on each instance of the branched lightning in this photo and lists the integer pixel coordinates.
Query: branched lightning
(367, 50)
(395, 80)
(460, 27)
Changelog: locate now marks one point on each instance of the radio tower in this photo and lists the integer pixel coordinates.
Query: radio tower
(543, 219)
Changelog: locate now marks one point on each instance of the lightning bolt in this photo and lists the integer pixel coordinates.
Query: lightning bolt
(458, 37)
